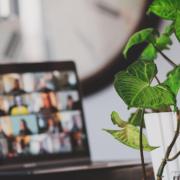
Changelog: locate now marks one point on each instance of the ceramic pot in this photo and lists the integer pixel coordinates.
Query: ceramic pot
(160, 131)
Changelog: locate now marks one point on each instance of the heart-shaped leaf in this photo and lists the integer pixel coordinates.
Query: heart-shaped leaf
(145, 35)
(166, 9)
(134, 87)
(173, 80)
(149, 53)
(169, 30)
(117, 120)
(177, 26)
(163, 41)
(130, 137)
(144, 71)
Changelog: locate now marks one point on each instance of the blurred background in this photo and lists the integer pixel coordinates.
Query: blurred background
(93, 34)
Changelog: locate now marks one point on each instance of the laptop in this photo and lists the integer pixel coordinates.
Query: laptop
(42, 126)
(41, 115)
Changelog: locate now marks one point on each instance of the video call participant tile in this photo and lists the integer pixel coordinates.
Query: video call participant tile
(24, 125)
(68, 100)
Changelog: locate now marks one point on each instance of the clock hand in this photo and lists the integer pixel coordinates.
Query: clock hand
(108, 10)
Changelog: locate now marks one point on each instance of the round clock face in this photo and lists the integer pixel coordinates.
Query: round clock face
(90, 32)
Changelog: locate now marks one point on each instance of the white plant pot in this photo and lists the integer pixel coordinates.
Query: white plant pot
(160, 131)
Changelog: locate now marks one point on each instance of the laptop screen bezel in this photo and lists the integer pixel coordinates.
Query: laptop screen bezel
(45, 67)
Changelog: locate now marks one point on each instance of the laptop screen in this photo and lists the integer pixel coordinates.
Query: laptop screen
(40, 112)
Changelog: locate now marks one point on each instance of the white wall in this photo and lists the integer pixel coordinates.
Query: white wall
(97, 111)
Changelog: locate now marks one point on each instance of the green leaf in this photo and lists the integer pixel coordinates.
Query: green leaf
(130, 137)
(177, 26)
(134, 87)
(144, 71)
(117, 120)
(136, 118)
(173, 80)
(169, 30)
(149, 53)
(166, 9)
(163, 41)
(145, 35)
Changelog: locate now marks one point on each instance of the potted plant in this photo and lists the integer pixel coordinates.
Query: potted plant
(139, 87)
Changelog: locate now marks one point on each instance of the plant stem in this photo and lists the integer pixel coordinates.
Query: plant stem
(164, 56)
(141, 146)
(168, 60)
(166, 157)
(157, 79)
(174, 157)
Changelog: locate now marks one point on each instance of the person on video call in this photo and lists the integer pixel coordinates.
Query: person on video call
(46, 84)
(47, 107)
(53, 126)
(2, 133)
(18, 108)
(24, 129)
(76, 134)
(71, 104)
(16, 88)
(9, 138)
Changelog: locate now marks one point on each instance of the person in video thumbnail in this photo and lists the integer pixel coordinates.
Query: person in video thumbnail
(47, 107)
(24, 129)
(45, 83)
(76, 134)
(19, 108)
(2, 133)
(54, 126)
(10, 140)
(71, 104)
(23, 140)
(16, 88)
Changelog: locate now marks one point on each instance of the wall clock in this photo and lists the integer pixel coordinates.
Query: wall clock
(93, 33)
